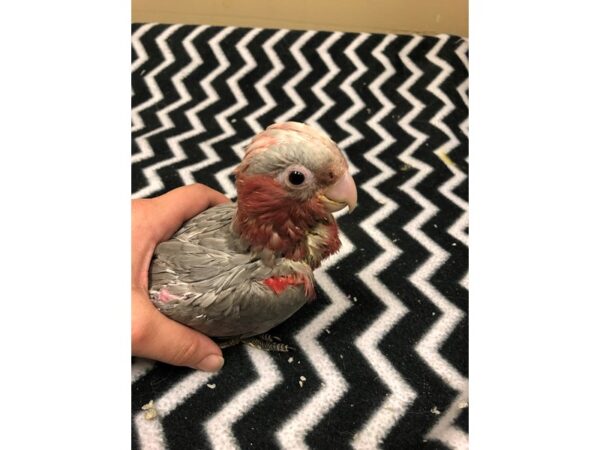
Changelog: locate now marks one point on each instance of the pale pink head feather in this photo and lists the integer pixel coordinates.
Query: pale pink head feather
(279, 133)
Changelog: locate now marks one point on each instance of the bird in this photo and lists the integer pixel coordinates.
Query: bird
(238, 269)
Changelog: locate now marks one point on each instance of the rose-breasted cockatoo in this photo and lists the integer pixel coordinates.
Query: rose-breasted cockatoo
(239, 269)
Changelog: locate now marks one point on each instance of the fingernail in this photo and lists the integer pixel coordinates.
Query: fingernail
(211, 363)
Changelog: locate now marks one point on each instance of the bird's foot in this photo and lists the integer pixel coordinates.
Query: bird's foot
(268, 343)
(263, 342)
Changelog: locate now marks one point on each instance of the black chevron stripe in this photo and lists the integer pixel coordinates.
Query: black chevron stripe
(318, 71)
(333, 89)
(418, 420)
(163, 79)
(366, 391)
(461, 111)
(183, 427)
(242, 131)
(157, 142)
(224, 101)
(447, 279)
(150, 387)
(148, 41)
(275, 408)
(275, 87)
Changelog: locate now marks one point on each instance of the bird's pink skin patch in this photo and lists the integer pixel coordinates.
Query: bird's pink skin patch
(279, 284)
(165, 297)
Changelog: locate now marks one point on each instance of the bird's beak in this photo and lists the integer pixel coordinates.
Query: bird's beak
(341, 194)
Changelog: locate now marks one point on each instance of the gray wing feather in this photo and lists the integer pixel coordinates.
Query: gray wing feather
(215, 283)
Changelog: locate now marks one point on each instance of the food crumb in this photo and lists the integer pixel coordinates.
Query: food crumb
(291, 359)
(327, 331)
(435, 410)
(211, 386)
(463, 405)
(354, 298)
(301, 383)
(150, 411)
(303, 378)
(148, 405)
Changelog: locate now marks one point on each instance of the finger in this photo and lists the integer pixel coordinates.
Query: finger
(155, 336)
(181, 204)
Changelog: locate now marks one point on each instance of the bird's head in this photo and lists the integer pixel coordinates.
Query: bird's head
(290, 180)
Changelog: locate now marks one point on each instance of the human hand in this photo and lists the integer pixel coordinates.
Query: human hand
(154, 335)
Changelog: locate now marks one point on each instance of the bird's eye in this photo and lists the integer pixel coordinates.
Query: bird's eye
(296, 178)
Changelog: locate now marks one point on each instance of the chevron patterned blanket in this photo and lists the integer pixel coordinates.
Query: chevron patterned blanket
(381, 356)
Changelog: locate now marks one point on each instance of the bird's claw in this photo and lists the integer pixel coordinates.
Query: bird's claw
(263, 342)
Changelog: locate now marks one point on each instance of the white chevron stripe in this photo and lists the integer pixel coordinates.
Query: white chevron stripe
(444, 150)
(140, 367)
(290, 87)
(461, 51)
(357, 103)
(207, 147)
(464, 86)
(150, 432)
(313, 120)
(465, 281)
(249, 64)
(464, 127)
(154, 181)
(402, 395)
(156, 93)
(219, 427)
(456, 230)
(447, 433)
(261, 85)
(184, 96)
(136, 41)
(428, 346)
(332, 71)
(333, 385)
(142, 57)
(444, 431)
(252, 120)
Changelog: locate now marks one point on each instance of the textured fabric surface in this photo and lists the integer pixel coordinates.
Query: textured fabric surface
(381, 359)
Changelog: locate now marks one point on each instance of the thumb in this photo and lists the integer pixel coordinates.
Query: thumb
(155, 336)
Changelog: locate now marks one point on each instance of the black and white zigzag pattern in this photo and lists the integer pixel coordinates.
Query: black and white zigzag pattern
(384, 349)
